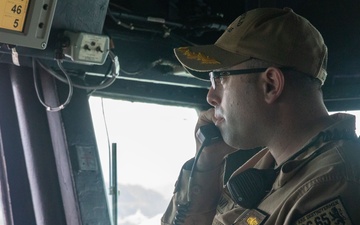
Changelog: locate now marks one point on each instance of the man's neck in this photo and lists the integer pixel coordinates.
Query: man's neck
(286, 143)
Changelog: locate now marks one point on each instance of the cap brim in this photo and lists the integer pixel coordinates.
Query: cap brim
(200, 60)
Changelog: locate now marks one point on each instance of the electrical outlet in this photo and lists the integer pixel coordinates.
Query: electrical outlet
(86, 48)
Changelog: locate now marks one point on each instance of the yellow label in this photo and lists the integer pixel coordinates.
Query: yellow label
(13, 14)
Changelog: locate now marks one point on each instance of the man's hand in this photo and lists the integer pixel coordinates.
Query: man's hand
(212, 155)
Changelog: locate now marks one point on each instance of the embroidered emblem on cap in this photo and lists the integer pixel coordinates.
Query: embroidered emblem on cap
(204, 59)
(241, 20)
(251, 217)
(330, 213)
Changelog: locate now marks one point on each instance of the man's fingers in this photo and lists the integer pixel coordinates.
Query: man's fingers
(206, 117)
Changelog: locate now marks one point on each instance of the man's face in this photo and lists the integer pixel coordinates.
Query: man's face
(237, 103)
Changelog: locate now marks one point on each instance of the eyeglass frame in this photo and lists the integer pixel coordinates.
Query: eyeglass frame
(217, 74)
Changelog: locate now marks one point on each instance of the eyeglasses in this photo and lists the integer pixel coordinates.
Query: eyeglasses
(214, 75)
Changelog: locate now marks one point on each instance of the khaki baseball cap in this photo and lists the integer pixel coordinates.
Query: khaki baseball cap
(277, 36)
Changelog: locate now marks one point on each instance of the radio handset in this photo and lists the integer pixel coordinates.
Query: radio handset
(208, 134)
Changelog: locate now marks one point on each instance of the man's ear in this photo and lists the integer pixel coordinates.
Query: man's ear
(273, 84)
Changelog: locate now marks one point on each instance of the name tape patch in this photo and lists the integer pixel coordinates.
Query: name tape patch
(331, 213)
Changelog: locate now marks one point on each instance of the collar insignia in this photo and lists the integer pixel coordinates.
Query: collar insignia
(251, 217)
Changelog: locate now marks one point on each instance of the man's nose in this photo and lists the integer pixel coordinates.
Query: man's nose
(212, 98)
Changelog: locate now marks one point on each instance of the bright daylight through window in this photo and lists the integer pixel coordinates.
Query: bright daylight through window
(153, 141)
(2, 219)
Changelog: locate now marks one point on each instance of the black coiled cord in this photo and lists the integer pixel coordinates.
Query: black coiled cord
(181, 213)
(182, 209)
(207, 134)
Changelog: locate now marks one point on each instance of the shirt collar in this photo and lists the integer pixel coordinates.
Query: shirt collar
(343, 128)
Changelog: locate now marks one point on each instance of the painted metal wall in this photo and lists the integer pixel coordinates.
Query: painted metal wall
(49, 159)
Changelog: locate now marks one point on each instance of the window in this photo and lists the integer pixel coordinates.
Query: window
(2, 219)
(153, 142)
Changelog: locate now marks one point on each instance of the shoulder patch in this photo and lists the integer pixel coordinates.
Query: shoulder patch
(330, 213)
(251, 217)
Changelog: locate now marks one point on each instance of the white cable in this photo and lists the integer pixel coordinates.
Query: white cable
(102, 85)
(67, 80)
(50, 108)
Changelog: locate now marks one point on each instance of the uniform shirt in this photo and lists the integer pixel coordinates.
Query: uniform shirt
(320, 186)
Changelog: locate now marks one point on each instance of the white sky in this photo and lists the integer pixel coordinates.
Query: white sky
(153, 141)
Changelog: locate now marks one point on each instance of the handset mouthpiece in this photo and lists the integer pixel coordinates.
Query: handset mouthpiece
(208, 134)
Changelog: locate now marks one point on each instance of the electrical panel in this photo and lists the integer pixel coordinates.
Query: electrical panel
(86, 48)
(26, 23)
